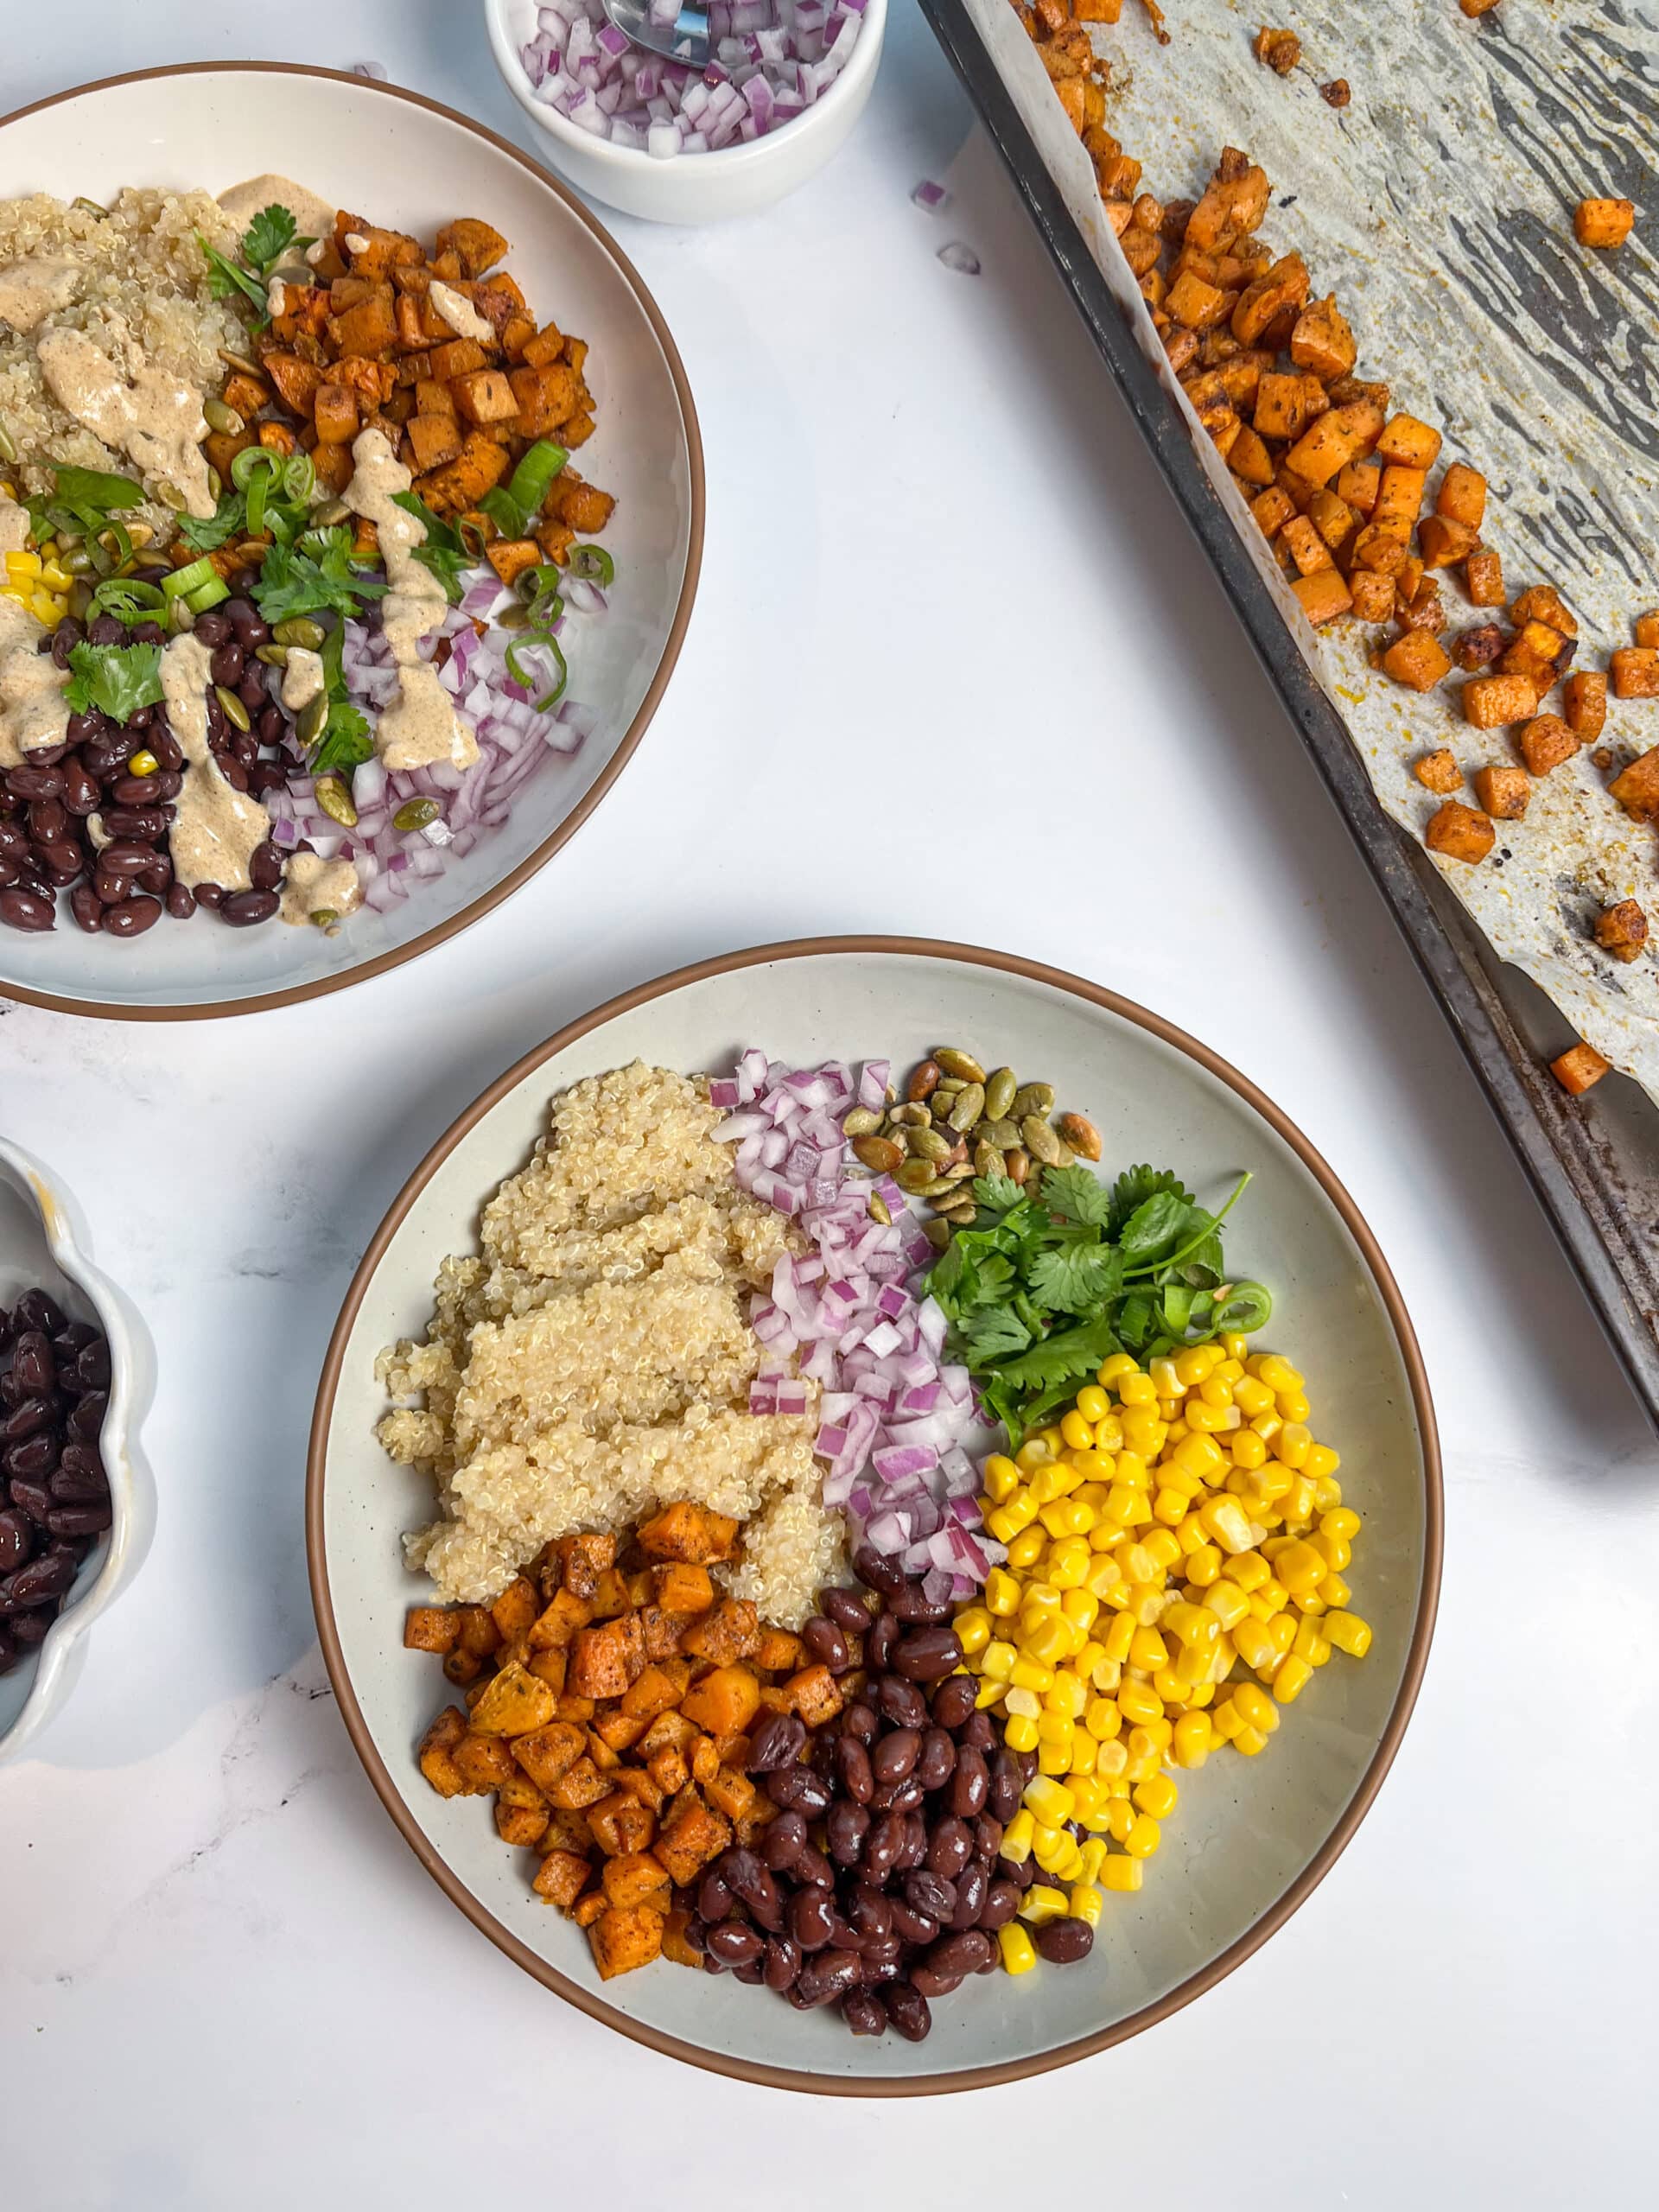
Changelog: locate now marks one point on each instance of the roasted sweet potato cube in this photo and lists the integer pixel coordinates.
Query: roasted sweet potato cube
(730, 1792)
(543, 397)
(635, 1878)
(588, 1907)
(1578, 1070)
(430, 1628)
(1357, 486)
(1303, 542)
(1545, 743)
(815, 1694)
(545, 348)
(1411, 443)
(1282, 405)
(605, 1659)
(571, 1708)
(1479, 646)
(1250, 459)
(726, 1697)
(370, 327)
(677, 1946)
(667, 1729)
(653, 1692)
(1333, 517)
(611, 1595)
(1272, 509)
(690, 1837)
(623, 1938)
(517, 1607)
(639, 1784)
(568, 1831)
(1422, 609)
(682, 1588)
(670, 1769)
(485, 396)
(433, 439)
(619, 1731)
(1634, 671)
(551, 1667)
(510, 557)
(1460, 833)
(1321, 342)
(685, 1531)
(548, 1754)
(436, 1752)
(1503, 793)
(620, 1822)
(432, 398)
(778, 1652)
(457, 357)
(1438, 770)
(1417, 660)
(1462, 496)
(558, 1623)
(1323, 595)
(1335, 441)
(706, 1756)
(458, 485)
(582, 1558)
(731, 1632)
(522, 1826)
(584, 506)
(1622, 930)
(562, 1878)
(462, 1668)
(1603, 223)
(1490, 702)
(479, 246)
(483, 1762)
(1443, 541)
(580, 1785)
(1232, 203)
(1584, 702)
(1483, 575)
(1637, 789)
(1193, 302)
(1372, 594)
(513, 1703)
(1543, 603)
(603, 1756)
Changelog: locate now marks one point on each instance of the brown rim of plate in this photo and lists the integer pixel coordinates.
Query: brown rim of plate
(979, 2077)
(567, 829)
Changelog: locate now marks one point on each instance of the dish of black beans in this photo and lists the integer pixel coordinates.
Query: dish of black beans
(879, 1886)
(122, 886)
(55, 1496)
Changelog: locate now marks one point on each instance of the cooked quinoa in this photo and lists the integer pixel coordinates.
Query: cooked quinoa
(595, 1359)
(143, 279)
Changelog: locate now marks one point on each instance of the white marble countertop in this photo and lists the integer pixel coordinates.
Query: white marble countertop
(222, 1976)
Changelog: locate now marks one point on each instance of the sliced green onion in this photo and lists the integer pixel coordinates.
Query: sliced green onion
(183, 581)
(254, 461)
(472, 537)
(504, 511)
(593, 564)
(539, 589)
(258, 490)
(207, 595)
(118, 595)
(299, 477)
(545, 641)
(528, 485)
(1248, 1307)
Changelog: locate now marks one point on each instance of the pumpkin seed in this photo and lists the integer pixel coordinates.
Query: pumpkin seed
(249, 552)
(1001, 1133)
(240, 361)
(961, 1065)
(1041, 1142)
(170, 496)
(414, 814)
(909, 1117)
(988, 1160)
(76, 560)
(235, 712)
(335, 801)
(300, 630)
(860, 1123)
(324, 917)
(1081, 1135)
(215, 482)
(928, 1144)
(272, 655)
(939, 1105)
(922, 1083)
(969, 1105)
(221, 416)
(8, 447)
(959, 1171)
(330, 513)
(959, 1216)
(914, 1176)
(88, 206)
(313, 715)
(937, 1232)
(182, 617)
(881, 1155)
(1017, 1164)
(999, 1092)
(935, 1185)
(879, 1210)
(1032, 1098)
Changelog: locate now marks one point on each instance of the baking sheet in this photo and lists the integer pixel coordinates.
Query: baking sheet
(1437, 205)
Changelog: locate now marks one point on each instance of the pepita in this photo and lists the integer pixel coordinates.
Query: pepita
(235, 712)
(1081, 1135)
(935, 1186)
(914, 1176)
(335, 801)
(860, 1123)
(512, 618)
(76, 561)
(879, 1210)
(909, 1117)
(330, 512)
(928, 1144)
(313, 715)
(323, 917)
(1017, 1164)
(221, 416)
(1041, 1142)
(1032, 1098)
(961, 1065)
(959, 1215)
(988, 1160)
(240, 361)
(881, 1156)
(922, 1084)
(937, 1232)
(940, 1104)
(170, 496)
(88, 206)
(249, 552)
(7, 446)
(414, 814)
(182, 617)
(300, 630)
(1000, 1088)
(272, 655)
(1000, 1133)
(969, 1105)
(959, 1171)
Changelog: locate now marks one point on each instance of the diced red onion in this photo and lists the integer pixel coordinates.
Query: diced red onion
(932, 198)
(960, 257)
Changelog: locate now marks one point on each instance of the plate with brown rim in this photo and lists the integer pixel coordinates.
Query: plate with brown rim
(1253, 1837)
(413, 165)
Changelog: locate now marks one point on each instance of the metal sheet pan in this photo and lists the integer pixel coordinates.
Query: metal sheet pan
(1593, 1162)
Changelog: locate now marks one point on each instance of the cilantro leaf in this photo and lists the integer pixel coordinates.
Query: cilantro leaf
(997, 1194)
(992, 1333)
(225, 278)
(94, 489)
(442, 550)
(1155, 1227)
(269, 236)
(1077, 1277)
(1076, 1193)
(1134, 1188)
(206, 533)
(314, 576)
(1063, 1358)
(344, 741)
(115, 679)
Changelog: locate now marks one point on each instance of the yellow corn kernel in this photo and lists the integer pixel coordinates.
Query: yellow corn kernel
(1163, 1378)
(1145, 1602)
(1301, 1568)
(1014, 1513)
(1119, 1874)
(1068, 1563)
(1024, 1704)
(973, 1626)
(1284, 1629)
(1108, 1373)
(1334, 1593)
(1110, 1761)
(1298, 1502)
(1039, 1601)
(989, 1693)
(1135, 1390)
(1248, 1450)
(1109, 1441)
(1255, 1646)
(1016, 1837)
(1349, 1633)
(1105, 1582)
(1084, 1748)
(1293, 1406)
(1156, 1797)
(1225, 1720)
(1093, 1403)
(1225, 1521)
(1047, 1644)
(1082, 1608)
(1027, 1548)
(22, 567)
(1088, 1659)
(1169, 1506)
(1054, 1728)
(1018, 1952)
(999, 1477)
(1272, 1597)
(1336, 1551)
(1322, 1464)
(1076, 1431)
(1209, 1420)
(1197, 1455)
(1250, 1741)
(1049, 1803)
(1162, 1547)
(1120, 1819)
(1327, 1494)
(1030, 1675)
(1228, 1603)
(1204, 1566)
(1085, 1903)
(1248, 1570)
(1120, 1636)
(1020, 1733)
(998, 1660)
(1052, 1482)
(1147, 1651)
(1093, 1855)
(1194, 1739)
(1172, 1686)
(1122, 1499)
(1144, 1837)
(1292, 1679)
(1041, 1902)
(1102, 1718)
(1342, 1523)
(1293, 1444)
(1253, 1707)
(1002, 1593)
(1138, 1704)
(1032, 1453)
(1049, 1847)
(1278, 1374)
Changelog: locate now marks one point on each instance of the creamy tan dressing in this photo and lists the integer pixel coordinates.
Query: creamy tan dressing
(314, 218)
(216, 829)
(354, 242)
(302, 678)
(420, 726)
(152, 417)
(33, 713)
(319, 886)
(458, 311)
(14, 525)
(30, 291)
(275, 298)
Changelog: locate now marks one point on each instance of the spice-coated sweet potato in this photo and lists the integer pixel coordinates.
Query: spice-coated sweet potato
(1504, 792)
(580, 1786)
(1634, 673)
(1438, 770)
(731, 1632)
(1543, 603)
(733, 1793)
(780, 1651)
(725, 1699)
(605, 1659)
(1584, 703)
(478, 245)
(1579, 1068)
(522, 1826)
(1460, 833)
(1482, 577)
(620, 1822)
(483, 1762)
(1622, 930)
(690, 1837)
(437, 1746)
(623, 1938)
(1604, 223)
(513, 1702)
(618, 1731)
(653, 1691)
(1340, 437)
(1323, 595)
(815, 1694)
(461, 483)
(561, 1878)
(1637, 789)
(685, 1531)
(588, 1907)
(675, 1943)
(430, 1628)
(1372, 596)
(558, 1624)
(1545, 743)
(635, 1877)
(1462, 495)
(679, 1587)
(1418, 660)
(1491, 702)
(516, 1608)
(547, 1754)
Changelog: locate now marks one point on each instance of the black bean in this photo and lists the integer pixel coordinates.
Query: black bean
(929, 1893)
(912, 1926)
(181, 901)
(244, 908)
(81, 1520)
(25, 1417)
(16, 1539)
(901, 1701)
(864, 2012)
(812, 1870)
(784, 1962)
(777, 1743)
(808, 1913)
(799, 1786)
(914, 1850)
(970, 1786)
(895, 1754)
(950, 1847)
(908, 2011)
(978, 1733)
(910, 1604)
(133, 917)
(878, 1644)
(826, 1643)
(853, 1762)
(1021, 1873)
(30, 1628)
(925, 1654)
(886, 1841)
(32, 1362)
(734, 1944)
(43, 1578)
(1061, 1941)
(1007, 1786)
(87, 1422)
(714, 1897)
(23, 909)
(987, 1839)
(938, 1758)
(953, 1700)
(210, 895)
(845, 1828)
(33, 783)
(952, 1957)
(781, 1841)
(1001, 1902)
(846, 1608)
(828, 1976)
(878, 1573)
(265, 865)
(38, 1309)
(858, 1721)
(33, 1459)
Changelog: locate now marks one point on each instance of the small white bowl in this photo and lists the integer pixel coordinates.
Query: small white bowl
(43, 1245)
(692, 188)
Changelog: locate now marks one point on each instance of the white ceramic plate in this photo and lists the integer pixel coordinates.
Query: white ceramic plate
(406, 161)
(1252, 1837)
(43, 1246)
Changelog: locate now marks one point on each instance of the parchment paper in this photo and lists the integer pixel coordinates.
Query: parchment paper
(1438, 207)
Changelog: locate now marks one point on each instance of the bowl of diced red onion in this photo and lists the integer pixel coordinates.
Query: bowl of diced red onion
(785, 81)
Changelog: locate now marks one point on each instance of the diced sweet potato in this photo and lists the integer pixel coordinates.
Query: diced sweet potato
(653, 1692)
(1604, 223)
(685, 1531)
(457, 357)
(1303, 542)
(568, 1831)
(1543, 603)
(1282, 405)
(1546, 742)
(1490, 702)
(667, 1728)
(1358, 483)
(816, 1695)
(1438, 770)
(1443, 541)
(580, 1785)
(462, 1668)
(778, 1652)
(558, 1624)
(429, 1628)
(1405, 440)
(479, 244)
(588, 1907)
(1249, 458)
(436, 1753)
(1272, 509)
(1637, 789)
(543, 398)
(1483, 575)
(485, 396)
(510, 557)
(570, 1707)
(690, 1837)
(1335, 441)
(618, 1729)
(483, 1762)
(611, 1595)
(620, 1822)
(728, 1697)
(549, 1667)
(731, 1632)
(513, 1703)
(1417, 660)
(1333, 517)
(582, 1558)
(1462, 496)
(1399, 497)
(606, 1660)
(335, 415)
(635, 1878)
(1634, 670)
(1232, 205)
(682, 1588)
(1580, 1068)
(670, 1769)
(1584, 702)
(1461, 833)
(522, 1826)
(1622, 930)
(623, 1938)
(433, 439)
(676, 1945)
(548, 1754)
(584, 506)
(1194, 302)
(457, 484)
(1503, 793)
(432, 398)
(562, 1878)
(370, 327)
(706, 1756)
(1323, 595)
(1321, 342)
(603, 1756)
(516, 1608)
(1373, 595)
(1423, 609)
(731, 1793)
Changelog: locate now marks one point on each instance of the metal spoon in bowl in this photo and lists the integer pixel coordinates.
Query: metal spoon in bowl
(678, 33)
